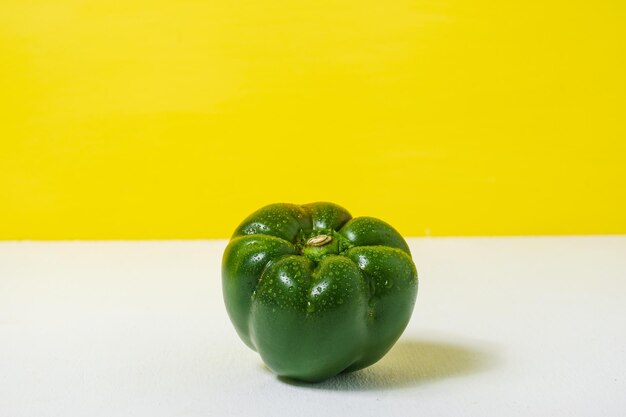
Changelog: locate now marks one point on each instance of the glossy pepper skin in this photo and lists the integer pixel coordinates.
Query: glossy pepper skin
(316, 292)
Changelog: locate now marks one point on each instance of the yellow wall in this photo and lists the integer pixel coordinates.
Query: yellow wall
(170, 118)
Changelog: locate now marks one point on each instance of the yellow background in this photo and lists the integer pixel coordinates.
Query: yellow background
(175, 119)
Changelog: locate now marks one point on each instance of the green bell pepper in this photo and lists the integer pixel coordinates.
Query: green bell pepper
(316, 292)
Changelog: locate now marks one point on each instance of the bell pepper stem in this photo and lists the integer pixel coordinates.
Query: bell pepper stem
(319, 240)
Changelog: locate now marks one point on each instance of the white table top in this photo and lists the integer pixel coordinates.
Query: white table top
(502, 327)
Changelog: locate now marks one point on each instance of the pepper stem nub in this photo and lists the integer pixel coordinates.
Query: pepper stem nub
(319, 240)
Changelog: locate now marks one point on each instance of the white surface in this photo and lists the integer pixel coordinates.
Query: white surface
(502, 327)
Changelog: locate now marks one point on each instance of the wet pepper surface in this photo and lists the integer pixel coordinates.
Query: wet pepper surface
(316, 292)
